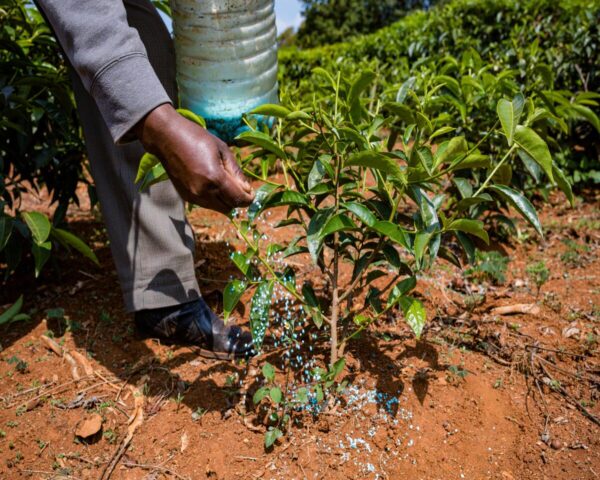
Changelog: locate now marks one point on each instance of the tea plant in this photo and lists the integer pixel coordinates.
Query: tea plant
(538, 274)
(371, 204)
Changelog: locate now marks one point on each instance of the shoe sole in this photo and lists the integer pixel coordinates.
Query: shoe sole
(202, 352)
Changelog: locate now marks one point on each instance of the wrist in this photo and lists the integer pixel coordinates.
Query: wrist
(150, 129)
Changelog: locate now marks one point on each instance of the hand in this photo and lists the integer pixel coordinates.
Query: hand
(201, 166)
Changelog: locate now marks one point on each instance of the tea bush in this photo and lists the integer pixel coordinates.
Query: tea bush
(40, 141)
(542, 48)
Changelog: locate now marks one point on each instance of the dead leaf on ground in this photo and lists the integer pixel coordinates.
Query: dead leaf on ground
(529, 308)
(89, 426)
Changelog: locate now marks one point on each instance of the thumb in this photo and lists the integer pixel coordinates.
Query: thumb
(233, 169)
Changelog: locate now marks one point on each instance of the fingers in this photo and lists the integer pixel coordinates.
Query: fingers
(235, 189)
(232, 168)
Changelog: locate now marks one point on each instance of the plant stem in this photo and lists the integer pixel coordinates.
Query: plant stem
(335, 303)
(487, 180)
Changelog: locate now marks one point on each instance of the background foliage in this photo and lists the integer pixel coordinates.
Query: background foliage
(331, 21)
(40, 140)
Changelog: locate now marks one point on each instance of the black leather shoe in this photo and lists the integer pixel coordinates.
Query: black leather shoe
(194, 323)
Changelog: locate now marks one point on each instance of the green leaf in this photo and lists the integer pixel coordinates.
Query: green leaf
(262, 140)
(336, 369)
(441, 131)
(312, 304)
(271, 110)
(241, 261)
(41, 254)
(467, 245)
(406, 87)
(403, 112)
(365, 78)
(532, 145)
(39, 225)
(268, 372)
(231, 296)
(301, 395)
(156, 174)
(259, 312)
(376, 160)
(275, 394)
(147, 162)
(561, 181)
(337, 223)
(414, 314)
(401, 289)
(392, 231)
(260, 394)
(11, 311)
(474, 227)
(510, 114)
(523, 206)
(317, 172)
(261, 195)
(448, 151)
(271, 437)
(191, 116)
(313, 235)
(6, 226)
(68, 239)
(588, 114)
(362, 212)
(471, 162)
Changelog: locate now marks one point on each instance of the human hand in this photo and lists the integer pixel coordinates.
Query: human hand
(200, 165)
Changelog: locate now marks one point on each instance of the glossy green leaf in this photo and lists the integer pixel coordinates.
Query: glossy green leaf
(562, 182)
(231, 296)
(271, 437)
(261, 195)
(531, 144)
(337, 223)
(271, 110)
(523, 206)
(11, 311)
(41, 254)
(364, 79)
(414, 314)
(376, 160)
(510, 114)
(147, 162)
(38, 225)
(467, 225)
(263, 141)
(450, 151)
(392, 231)
(401, 289)
(362, 212)
(156, 174)
(192, 116)
(68, 239)
(313, 235)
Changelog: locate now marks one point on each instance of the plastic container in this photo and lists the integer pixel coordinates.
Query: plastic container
(226, 59)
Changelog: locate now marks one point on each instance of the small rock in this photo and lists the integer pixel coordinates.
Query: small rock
(89, 426)
(556, 444)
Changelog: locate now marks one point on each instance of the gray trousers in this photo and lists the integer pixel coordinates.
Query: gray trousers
(150, 238)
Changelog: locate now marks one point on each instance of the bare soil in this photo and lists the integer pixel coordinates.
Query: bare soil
(481, 396)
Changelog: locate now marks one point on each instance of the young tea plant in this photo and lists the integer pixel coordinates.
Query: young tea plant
(373, 194)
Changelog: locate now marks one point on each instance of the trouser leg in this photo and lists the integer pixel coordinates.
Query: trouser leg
(151, 241)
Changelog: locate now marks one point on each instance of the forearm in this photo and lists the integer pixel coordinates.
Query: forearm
(109, 57)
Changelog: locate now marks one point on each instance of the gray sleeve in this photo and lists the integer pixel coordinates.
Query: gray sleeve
(110, 59)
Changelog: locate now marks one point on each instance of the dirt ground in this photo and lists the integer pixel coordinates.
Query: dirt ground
(483, 395)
